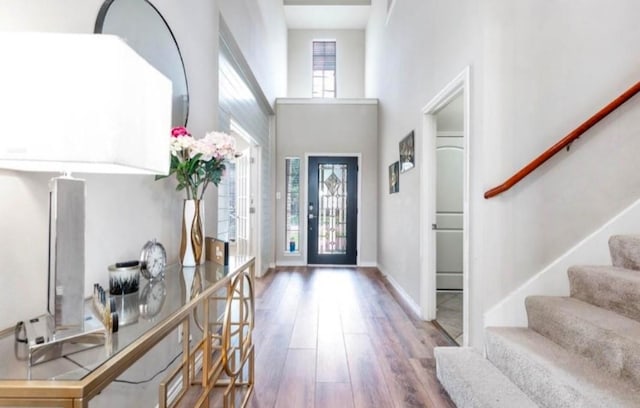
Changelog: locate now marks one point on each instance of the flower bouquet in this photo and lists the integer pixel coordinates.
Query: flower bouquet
(197, 163)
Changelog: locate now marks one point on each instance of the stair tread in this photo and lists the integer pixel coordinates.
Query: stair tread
(625, 251)
(550, 374)
(471, 380)
(610, 287)
(617, 271)
(605, 318)
(610, 340)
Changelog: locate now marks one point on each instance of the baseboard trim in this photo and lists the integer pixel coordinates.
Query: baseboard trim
(368, 265)
(326, 101)
(290, 263)
(415, 308)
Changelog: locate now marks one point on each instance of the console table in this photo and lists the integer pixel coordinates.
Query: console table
(205, 315)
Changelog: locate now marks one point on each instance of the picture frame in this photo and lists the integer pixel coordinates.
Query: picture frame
(394, 177)
(407, 152)
(217, 251)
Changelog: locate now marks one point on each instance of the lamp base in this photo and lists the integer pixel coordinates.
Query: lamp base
(66, 253)
(45, 343)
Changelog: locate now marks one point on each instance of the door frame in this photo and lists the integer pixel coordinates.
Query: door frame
(305, 209)
(256, 181)
(459, 85)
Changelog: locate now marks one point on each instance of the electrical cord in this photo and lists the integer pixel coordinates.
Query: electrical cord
(127, 381)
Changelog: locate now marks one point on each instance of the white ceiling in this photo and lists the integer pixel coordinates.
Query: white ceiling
(335, 17)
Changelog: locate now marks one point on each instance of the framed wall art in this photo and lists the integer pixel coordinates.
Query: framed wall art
(394, 178)
(407, 152)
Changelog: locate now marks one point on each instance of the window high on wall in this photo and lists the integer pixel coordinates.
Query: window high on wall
(324, 69)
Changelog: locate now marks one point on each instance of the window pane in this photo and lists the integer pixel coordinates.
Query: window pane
(226, 204)
(329, 83)
(317, 83)
(292, 205)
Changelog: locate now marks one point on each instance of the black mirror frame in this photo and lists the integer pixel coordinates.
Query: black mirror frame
(102, 14)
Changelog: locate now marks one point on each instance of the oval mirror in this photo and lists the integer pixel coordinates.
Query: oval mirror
(142, 26)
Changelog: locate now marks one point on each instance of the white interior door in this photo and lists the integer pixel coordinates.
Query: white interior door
(449, 212)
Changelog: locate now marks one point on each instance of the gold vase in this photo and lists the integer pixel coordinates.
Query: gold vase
(192, 241)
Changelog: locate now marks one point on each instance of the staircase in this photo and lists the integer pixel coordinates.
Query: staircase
(578, 351)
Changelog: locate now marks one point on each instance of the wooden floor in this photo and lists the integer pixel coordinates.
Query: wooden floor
(336, 337)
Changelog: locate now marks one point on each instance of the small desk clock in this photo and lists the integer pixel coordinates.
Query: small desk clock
(153, 260)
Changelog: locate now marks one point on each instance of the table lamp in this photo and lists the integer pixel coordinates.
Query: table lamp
(82, 103)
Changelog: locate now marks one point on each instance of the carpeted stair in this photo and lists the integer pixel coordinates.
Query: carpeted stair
(578, 351)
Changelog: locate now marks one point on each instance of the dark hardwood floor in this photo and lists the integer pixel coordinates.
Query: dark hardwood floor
(336, 337)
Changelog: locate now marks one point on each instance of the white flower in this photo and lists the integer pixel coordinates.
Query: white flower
(204, 147)
(181, 143)
(225, 144)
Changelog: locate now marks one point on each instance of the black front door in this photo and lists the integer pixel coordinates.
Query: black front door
(332, 210)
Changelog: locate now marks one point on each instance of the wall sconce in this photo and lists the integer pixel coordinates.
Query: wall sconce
(81, 103)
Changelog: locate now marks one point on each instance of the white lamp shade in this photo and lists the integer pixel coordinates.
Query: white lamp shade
(81, 103)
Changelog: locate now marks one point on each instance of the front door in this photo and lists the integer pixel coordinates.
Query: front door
(332, 210)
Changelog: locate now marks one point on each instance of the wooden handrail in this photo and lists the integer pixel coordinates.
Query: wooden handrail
(564, 142)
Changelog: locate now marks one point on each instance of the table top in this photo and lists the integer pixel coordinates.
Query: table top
(154, 303)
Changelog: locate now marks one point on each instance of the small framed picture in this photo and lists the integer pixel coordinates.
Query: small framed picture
(217, 251)
(407, 153)
(394, 178)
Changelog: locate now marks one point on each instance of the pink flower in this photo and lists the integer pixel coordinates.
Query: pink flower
(180, 131)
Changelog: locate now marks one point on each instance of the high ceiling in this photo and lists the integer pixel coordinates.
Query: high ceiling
(327, 14)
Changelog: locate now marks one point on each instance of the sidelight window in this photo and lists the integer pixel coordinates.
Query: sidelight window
(292, 204)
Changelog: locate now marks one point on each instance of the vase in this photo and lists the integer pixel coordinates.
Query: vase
(192, 242)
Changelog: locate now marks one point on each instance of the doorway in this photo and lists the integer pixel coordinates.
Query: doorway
(332, 210)
(448, 228)
(237, 217)
(445, 209)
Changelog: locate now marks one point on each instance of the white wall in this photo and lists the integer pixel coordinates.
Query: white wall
(350, 48)
(260, 30)
(328, 128)
(537, 71)
(423, 47)
(123, 212)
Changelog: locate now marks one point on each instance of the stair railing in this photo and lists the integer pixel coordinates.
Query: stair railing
(564, 142)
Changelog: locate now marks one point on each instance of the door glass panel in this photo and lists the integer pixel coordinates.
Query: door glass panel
(243, 203)
(332, 210)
